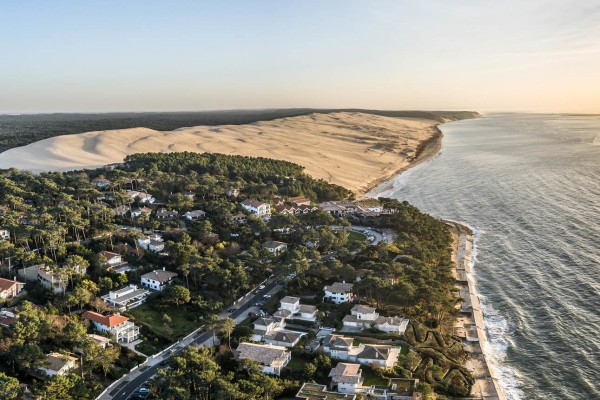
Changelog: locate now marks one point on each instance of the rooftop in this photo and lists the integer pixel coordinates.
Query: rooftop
(313, 391)
(106, 320)
(261, 353)
(160, 275)
(359, 308)
(290, 300)
(57, 361)
(340, 287)
(6, 284)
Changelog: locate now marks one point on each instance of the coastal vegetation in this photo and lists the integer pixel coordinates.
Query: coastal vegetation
(67, 223)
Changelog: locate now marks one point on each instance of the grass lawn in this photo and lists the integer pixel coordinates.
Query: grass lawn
(296, 364)
(148, 348)
(182, 320)
(372, 379)
(356, 237)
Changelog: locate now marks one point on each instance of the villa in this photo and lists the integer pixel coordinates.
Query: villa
(343, 348)
(126, 298)
(158, 279)
(153, 243)
(10, 288)
(58, 364)
(258, 208)
(275, 247)
(194, 215)
(119, 326)
(290, 307)
(272, 358)
(339, 292)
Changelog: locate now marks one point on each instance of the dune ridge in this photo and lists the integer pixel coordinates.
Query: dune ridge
(351, 149)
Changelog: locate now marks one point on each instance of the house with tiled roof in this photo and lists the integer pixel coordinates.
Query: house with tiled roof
(275, 247)
(347, 378)
(361, 317)
(58, 364)
(283, 337)
(153, 243)
(158, 279)
(195, 215)
(338, 292)
(10, 288)
(343, 348)
(290, 307)
(142, 210)
(119, 326)
(271, 358)
(299, 201)
(163, 213)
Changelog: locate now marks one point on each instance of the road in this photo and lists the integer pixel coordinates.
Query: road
(130, 382)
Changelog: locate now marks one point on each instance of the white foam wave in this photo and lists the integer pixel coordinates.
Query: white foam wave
(498, 332)
(596, 141)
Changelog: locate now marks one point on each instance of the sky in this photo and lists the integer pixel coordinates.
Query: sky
(126, 55)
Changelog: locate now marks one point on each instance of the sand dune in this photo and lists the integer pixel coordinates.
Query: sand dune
(354, 150)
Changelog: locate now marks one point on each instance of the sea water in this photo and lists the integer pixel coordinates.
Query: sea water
(530, 185)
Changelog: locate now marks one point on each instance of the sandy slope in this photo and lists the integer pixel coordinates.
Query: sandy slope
(350, 149)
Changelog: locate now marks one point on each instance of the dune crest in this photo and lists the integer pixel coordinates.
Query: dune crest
(354, 150)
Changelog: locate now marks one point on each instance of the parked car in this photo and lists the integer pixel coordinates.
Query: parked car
(261, 287)
(252, 314)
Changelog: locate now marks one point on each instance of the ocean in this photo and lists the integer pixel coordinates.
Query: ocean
(529, 185)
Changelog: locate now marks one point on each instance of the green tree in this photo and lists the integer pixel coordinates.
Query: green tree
(177, 294)
(9, 387)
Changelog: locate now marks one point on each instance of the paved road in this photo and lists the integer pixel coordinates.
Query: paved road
(133, 380)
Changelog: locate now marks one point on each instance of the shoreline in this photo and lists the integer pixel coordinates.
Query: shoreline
(430, 148)
(471, 325)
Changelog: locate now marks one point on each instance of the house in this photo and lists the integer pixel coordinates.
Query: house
(7, 318)
(343, 348)
(119, 326)
(101, 341)
(275, 247)
(126, 298)
(272, 358)
(378, 355)
(339, 292)
(142, 197)
(100, 182)
(122, 210)
(314, 391)
(158, 279)
(338, 208)
(48, 277)
(233, 192)
(305, 209)
(4, 234)
(10, 288)
(58, 364)
(195, 215)
(238, 219)
(277, 201)
(299, 201)
(115, 262)
(283, 338)
(347, 378)
(163, 213)
(283, 209)
(153, 243)
(361, 317)
(265, 325)
(395, 325)
(258, 208)
(290, 307)
(138, 212)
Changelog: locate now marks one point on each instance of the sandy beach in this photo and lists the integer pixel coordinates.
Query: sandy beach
(354, 150)
(470, 325)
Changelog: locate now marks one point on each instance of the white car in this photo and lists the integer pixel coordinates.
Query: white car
(261, 287)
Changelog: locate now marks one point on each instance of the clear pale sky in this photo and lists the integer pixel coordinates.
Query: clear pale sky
(97, 56)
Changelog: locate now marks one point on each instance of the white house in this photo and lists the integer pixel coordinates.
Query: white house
(257, 208)
(339, 292)
(10, 288)
(153, 243)
(194, 215)
(58, 364)
(283, 337)
(163, 213)
(361, 317)
(272, 358)
(290, 307)
(343, 348)
(347, 378)
(142, 197)
(101, 341)
(158, 279)
(49, 278)
(118, 325)
(265, 325)
(4, 234)
(100, 182)
(142, 210)
(313, 391)
(126, 298)
(392, 324)
(275, 247)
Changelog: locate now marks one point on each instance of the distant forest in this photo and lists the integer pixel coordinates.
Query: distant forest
(20, 130)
